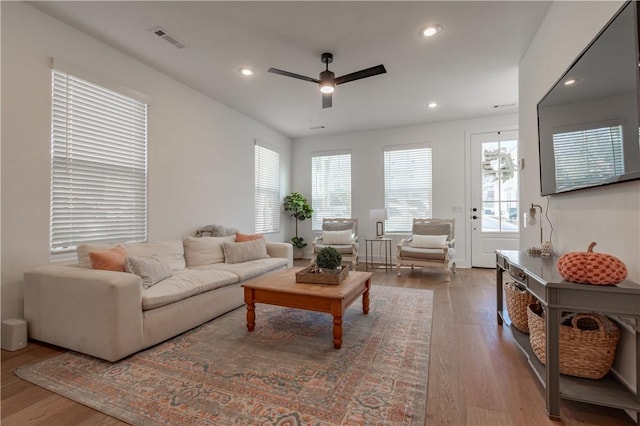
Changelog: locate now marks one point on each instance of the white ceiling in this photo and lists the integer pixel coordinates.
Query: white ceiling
(468, 68)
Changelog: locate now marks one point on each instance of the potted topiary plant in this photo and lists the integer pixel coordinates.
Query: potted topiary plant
(298, 207)
(329, 260)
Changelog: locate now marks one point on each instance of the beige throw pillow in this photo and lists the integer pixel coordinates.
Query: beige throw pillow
(205, 250)
(152, 269)
(337, 237)
(428, 241)
(245, 251)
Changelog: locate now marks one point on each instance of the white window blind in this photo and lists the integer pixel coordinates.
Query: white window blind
(331, 187)
(407, 187)
(98, 165)
(587, 157)
(267, 190)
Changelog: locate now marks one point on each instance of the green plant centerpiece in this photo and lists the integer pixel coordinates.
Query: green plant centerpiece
(329, 259)
(297, 207)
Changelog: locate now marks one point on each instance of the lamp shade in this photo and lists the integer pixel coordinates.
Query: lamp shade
(378, 214)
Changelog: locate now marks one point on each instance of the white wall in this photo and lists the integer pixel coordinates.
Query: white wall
(609, 215)
(200, 151)
(449, 143)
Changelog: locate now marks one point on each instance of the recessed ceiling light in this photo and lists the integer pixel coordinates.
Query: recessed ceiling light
(432, 105)
(569, 82)
(430, 30)
(247, 72)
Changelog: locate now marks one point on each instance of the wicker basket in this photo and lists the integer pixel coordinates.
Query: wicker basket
(311, 276)
(518, 301)
(587, 345)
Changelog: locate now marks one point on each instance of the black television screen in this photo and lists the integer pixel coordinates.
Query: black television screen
(588, 122)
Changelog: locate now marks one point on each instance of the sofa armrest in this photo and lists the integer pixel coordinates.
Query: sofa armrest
(283, 250)
(90, 311)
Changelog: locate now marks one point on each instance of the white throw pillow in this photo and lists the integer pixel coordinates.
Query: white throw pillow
(337, 237)
(205, 250)
(152, 269)
(428, 241)
(245, 251)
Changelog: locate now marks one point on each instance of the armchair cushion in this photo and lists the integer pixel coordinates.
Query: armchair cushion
(342, 248)
(428, 241)
(337, 237)
(408, 252)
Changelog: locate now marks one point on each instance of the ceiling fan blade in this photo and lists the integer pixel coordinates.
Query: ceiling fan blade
(293, 75)
(326, 100)
(369, 72)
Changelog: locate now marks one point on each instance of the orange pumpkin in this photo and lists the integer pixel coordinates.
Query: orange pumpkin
(591, 268)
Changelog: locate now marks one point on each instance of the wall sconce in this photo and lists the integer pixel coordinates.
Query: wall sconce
(530, 218)
(379, 215)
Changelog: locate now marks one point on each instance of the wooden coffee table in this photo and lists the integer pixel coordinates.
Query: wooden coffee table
(281, 289)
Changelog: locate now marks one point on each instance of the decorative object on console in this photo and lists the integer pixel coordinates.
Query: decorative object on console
(591, 268)
(530, 219)
(587, 342)
(379, 215)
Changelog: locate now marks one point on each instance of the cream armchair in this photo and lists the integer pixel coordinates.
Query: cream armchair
(341, 234)
(432, 244)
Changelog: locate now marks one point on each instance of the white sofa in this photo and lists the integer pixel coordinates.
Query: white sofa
(110, 315)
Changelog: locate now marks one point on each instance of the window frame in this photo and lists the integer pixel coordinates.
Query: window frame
(99, 173)
(262, 150)
(325, 209)
(402, 223)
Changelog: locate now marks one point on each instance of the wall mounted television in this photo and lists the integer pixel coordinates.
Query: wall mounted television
(588, 131)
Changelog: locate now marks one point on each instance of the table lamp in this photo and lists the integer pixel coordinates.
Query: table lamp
(379, 215)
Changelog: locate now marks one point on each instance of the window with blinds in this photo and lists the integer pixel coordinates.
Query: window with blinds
(267, 190)
(407, 187)
(331, 187)
(98, 165)
(587, 157)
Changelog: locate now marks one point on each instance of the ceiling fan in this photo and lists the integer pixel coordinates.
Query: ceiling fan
(327, 79)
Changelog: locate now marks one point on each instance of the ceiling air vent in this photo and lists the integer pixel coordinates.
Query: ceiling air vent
(503, 106)
(160, 32)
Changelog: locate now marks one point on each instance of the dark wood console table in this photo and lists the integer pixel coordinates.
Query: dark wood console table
(540, 277)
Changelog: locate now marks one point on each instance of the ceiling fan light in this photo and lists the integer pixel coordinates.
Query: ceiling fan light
(327, 87)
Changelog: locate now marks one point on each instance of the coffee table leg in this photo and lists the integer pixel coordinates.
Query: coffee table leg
(365, 298)
(337, 332)
(251, 309)
(251, 316)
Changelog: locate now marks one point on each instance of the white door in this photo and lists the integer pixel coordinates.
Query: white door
(494, 196)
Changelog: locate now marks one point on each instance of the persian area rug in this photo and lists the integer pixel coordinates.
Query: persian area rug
(286, 372)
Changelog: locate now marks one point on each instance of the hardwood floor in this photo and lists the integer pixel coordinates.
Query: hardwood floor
(477, 376)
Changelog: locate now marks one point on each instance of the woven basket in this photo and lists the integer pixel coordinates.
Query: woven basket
(518, 301)
(587, 346)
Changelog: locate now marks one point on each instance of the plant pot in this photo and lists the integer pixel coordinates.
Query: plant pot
(297, 253)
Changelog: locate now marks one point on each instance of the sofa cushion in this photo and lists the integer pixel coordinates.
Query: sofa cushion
(171, 251)
(109, 260)
(245, 251)
(151, 269)
(83, 250)
(205, 250)
(250, 269)
(240, 237)
(184, 284)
